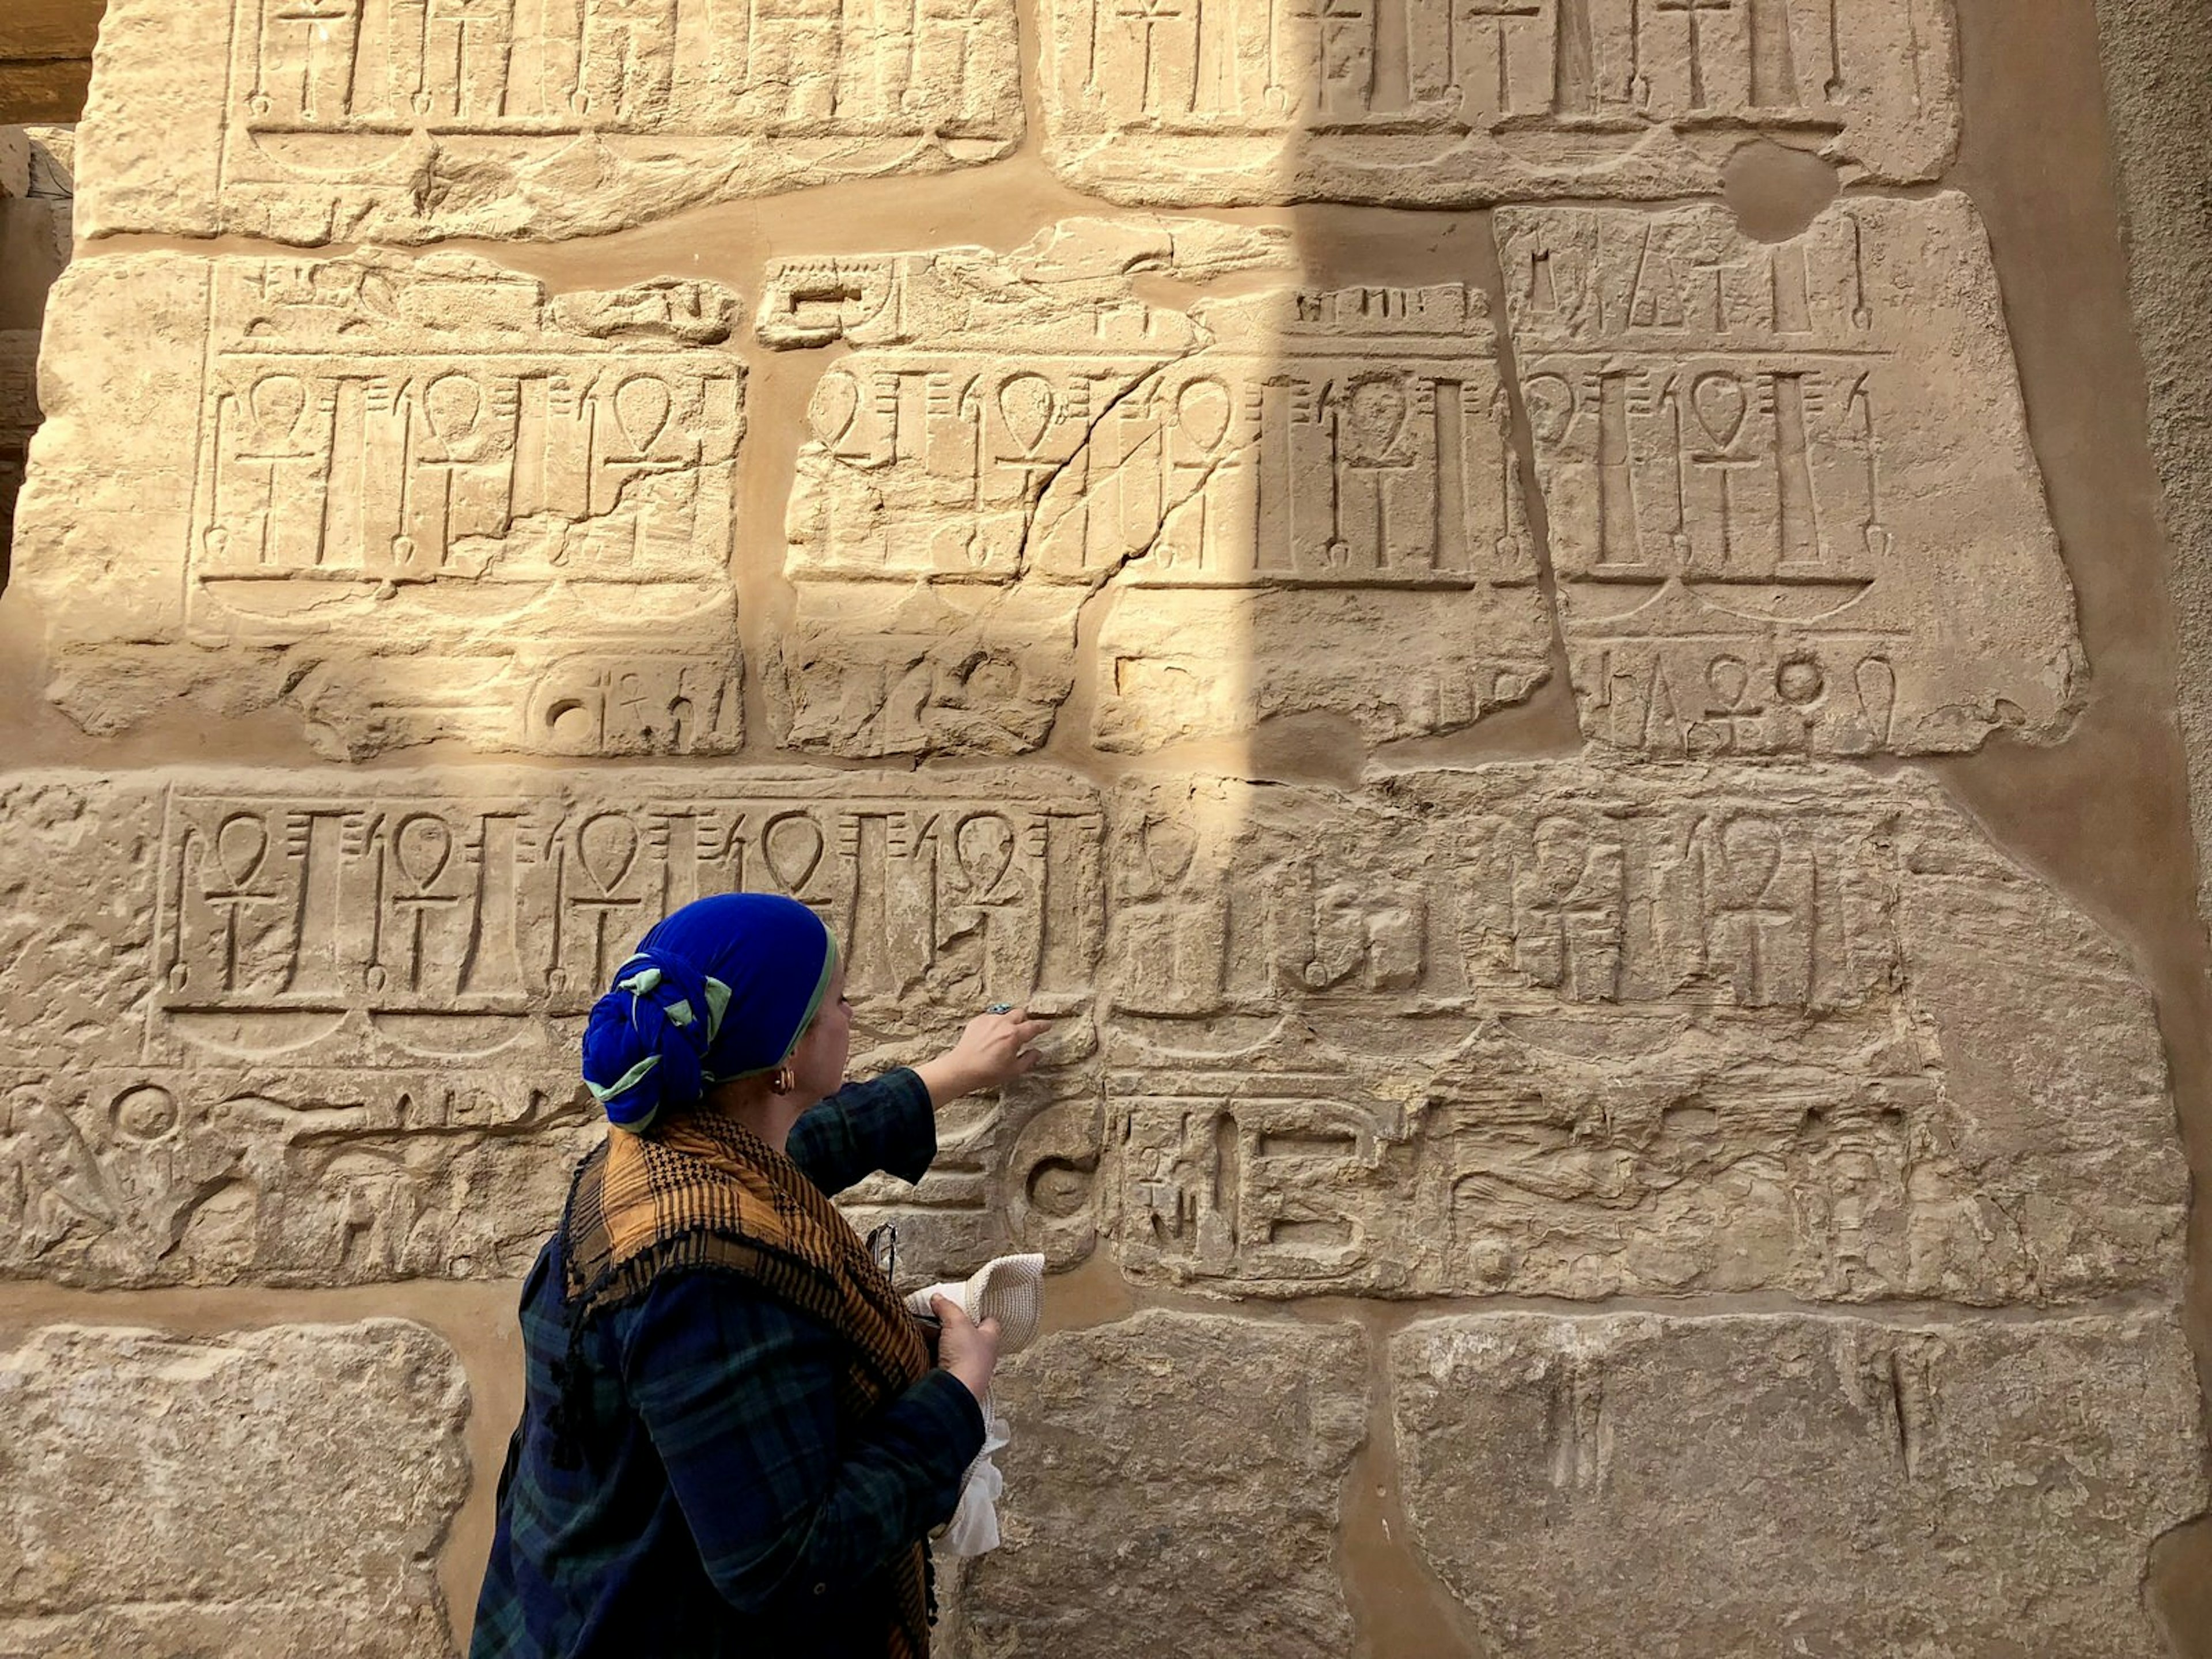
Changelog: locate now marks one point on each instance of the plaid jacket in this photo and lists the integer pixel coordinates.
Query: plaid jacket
(721, 1509)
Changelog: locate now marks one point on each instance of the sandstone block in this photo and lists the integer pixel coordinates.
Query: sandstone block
(1793, 507)
(322, 1028)
(1298, 501)
(420, 501)
(1750, 1484)
(1173, 1483)
(1422, 103)
(326, 1461)
(398, 121)
(1556, 1029)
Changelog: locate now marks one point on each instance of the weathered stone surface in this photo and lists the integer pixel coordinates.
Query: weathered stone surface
(422, 501)
(50, 180)
(1173, 1484)
(80, 864)
(317, 1028)
(19, 419)
(289, 1486)
(35, 199)
(1303, 500)
(1554, 1029)
(1793, 508)
(164, 1176)
(1422, 103)
(402, 121)
(1757, 1485)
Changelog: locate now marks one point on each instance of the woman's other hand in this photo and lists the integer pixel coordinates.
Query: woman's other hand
(969, 1351)
(993, 1049)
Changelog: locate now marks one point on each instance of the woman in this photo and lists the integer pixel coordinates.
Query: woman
(733, 1441)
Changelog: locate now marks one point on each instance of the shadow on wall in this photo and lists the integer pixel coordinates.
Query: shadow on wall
(1129, 502)
(36, 192)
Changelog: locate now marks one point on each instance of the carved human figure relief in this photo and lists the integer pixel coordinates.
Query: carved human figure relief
(415, 120)
(1454, 102)
(1774, 532)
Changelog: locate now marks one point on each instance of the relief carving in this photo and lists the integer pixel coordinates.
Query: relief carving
(1281, 490)
(415, 922)
(1774, 531)
(427, 501)
(2050, 1453)
(1425, 103)
(140, 1176)
(357, 1059)
(413, 121)
(1549, 1029)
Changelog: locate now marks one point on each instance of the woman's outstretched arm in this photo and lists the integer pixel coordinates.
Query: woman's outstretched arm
(888, 1123)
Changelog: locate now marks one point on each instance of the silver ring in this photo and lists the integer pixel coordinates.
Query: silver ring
(999, 1008)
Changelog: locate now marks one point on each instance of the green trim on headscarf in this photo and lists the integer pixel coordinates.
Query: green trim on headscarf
(813, 1008)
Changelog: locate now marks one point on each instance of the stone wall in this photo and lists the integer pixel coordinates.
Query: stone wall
(37, 191)
(1538, 623)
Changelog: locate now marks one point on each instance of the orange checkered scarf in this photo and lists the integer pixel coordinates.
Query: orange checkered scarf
(703, 1191)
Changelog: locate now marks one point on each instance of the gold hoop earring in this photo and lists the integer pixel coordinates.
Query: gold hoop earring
(784, 1083)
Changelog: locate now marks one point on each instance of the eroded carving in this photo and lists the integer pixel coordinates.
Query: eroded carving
(1770, 532)
(1563, 1031)
(210, 1175)
(2050, 1453)
(426, 501)
(1285, 492)
(328, 1458)
(1419, 102)
(329, 1034)
(1173, 1478)
(411, 120)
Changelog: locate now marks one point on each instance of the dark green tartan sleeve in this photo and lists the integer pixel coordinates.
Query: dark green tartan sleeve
(885, 1123)
(738, 1396)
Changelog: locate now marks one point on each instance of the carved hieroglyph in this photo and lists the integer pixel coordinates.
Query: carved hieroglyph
(1965, 1488)
(1792, 504)
(416, 501)
(1172, 1486)
(321, 1028)
(1445, 102)
(138, 1175)
(1302, 502)
(311, 121)
(1545, 1028)
(264, 1494)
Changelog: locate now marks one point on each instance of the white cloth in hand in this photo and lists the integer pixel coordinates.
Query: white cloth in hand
(1010, 1290)
(974, 1527)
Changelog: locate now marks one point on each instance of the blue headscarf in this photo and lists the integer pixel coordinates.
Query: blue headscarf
(722, 988)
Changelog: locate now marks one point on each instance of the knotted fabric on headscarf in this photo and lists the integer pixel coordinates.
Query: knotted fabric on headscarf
(722, 988)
